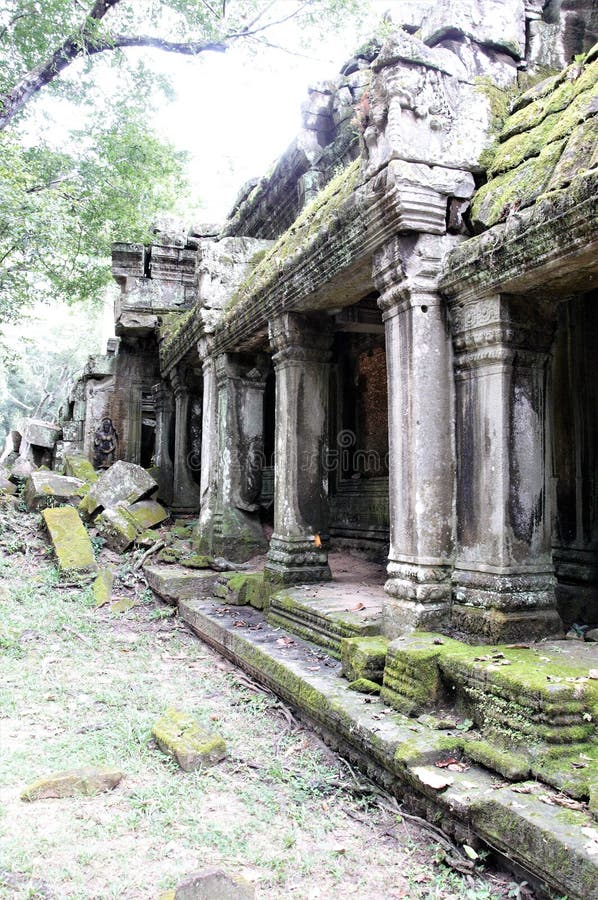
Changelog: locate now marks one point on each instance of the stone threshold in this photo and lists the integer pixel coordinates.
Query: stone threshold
(522, 822)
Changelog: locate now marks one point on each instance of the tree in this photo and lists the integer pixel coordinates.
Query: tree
(44, 37)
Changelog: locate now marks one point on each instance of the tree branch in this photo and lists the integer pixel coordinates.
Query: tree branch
(186, 48)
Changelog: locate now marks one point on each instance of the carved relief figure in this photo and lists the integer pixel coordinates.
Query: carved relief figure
(105, 445)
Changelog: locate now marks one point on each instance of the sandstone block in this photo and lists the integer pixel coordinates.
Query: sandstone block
(6, 486)
(21, 470)
(117, 528)
(102, 587)
(214, 884)
(43, 489)
(182, 737)
(147, 514)
(364, 658)
(173, 583)
(73, 783)
(123, 482)
(40, 433)
(70, 539)
(79, 466)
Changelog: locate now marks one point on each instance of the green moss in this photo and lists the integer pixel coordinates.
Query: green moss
(364, 686)
(305, 228)
(181, 736)
(172, 325)
(183, 532)
(512, 765)
(364, 657)
(169, 555)
(102, 587)
(80, 467)
(71, 542)
(197, 561)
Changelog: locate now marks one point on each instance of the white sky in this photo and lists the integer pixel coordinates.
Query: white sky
(237, 114)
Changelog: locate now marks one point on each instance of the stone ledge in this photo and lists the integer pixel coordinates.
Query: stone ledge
(524, 827)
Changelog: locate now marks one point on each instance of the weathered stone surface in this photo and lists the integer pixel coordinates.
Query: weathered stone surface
(73, 783)
(592, 635)
(497, 23)
(364, 686)
(40, 433)
(21, 470)
(123, 482)
(71, 542)
(102, 587)
(364, 657)
(214, 884)
(43, 489)
(173, 583)
(6, 486)
(147, 514)
(117, 528)
(78, 466)
(182, 737)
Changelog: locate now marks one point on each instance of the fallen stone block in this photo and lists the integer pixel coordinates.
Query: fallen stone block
(240, 589)
(214, 884)
(6, 486)
(117, 528)
(21, 470)
(123, 482)
(71, 542)
(180, 735)
(40, 433)
(73, 783)
(147, 514)
(365, 686)
(173, 583)
(364, 658)
(43, 489)
(197, 561)
(79, 466)
(102, 587)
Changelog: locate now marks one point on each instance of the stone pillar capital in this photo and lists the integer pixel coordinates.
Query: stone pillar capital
(299, 338)
(162, 397)
(205, 349)
(178, 380)
(406, 272)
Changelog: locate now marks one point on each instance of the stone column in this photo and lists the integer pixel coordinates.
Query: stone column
(203, 534)
(420, 436)
(237, 531)
(185, 490)
(298, 549)
(163, 402)
(503, 578)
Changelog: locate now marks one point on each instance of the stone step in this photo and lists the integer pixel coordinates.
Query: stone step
(325, 614)
(524, 822)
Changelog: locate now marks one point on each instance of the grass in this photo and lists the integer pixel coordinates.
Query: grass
(83, 686)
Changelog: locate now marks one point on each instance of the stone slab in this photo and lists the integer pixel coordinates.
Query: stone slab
(398, 750)
(181, 736)
(43, 489)
(123, 482)
(214, 884)
(73, 783)
(71, 542)
(40, 433)
(173, 583)
(78, 466)
(147, 514)
(117, 528)
(325, 614)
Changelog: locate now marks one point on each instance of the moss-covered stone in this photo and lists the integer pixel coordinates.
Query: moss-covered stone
(70, 540)
(80, 467)
(102, 587)
(73, 783)
(197, 561)
(170, 555)
(364, 686)
(182, 532)
(181, 736)
(146, 514)
(117, 528)
(364, 657)
(512, 765)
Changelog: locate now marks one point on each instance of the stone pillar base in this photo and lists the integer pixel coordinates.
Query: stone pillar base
(495, 626)
(296, 561)
(236, 535)
(503, 608)
(419, 596)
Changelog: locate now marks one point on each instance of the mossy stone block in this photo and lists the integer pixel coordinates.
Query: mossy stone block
(43, 489)
(117, 528)
(197, 561)
(182, 737)
(147, 514)
(364, 657)
(214, 884)
(102, 587)
(72, 783)
(511, 765)
(70, 540)
(80, 467)
(364, 686)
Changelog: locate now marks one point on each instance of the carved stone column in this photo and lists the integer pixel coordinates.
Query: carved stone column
(237, 532)
(503, 578)
(298, 551)
(203, 534)
(163, 401)
(421, 455)
(185, 489)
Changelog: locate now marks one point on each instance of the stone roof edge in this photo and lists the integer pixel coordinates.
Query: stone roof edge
(557, 225)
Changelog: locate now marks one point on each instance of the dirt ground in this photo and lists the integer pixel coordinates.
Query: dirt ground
(81, 685)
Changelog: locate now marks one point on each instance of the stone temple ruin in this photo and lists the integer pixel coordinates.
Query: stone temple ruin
(385, 354)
